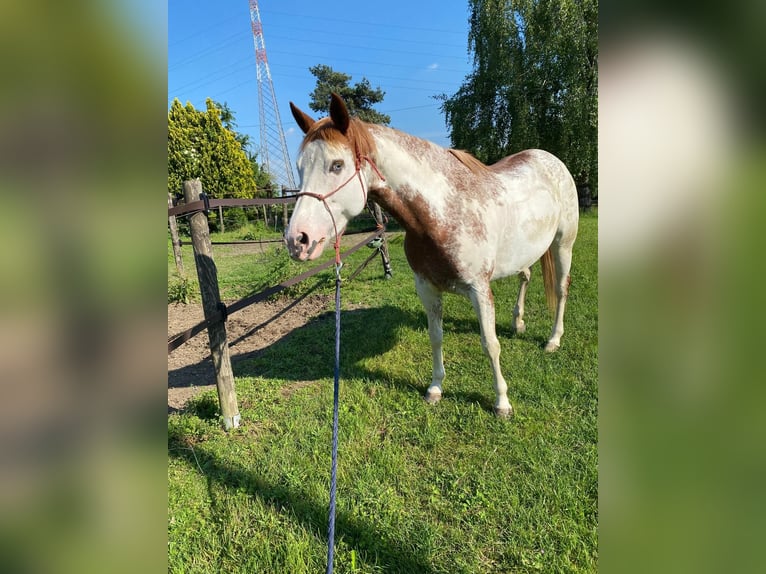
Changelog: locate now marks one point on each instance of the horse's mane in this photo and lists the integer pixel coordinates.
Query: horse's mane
(469, 161)
(357, 137)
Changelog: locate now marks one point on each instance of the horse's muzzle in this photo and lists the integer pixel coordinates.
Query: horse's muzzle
(302, 247)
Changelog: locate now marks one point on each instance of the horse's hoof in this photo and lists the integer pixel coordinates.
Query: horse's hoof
(432, 398)
(551, 348)
(519, 329)
(504, 412)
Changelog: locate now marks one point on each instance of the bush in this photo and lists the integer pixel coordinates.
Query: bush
(234, 218)
(180, 290)
(255, 231)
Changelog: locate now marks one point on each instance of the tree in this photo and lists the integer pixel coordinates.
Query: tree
(534, 82)
(230, 123)
(359, 98)
(262, 180)
(199, 145)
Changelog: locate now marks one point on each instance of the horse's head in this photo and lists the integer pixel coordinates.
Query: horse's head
(334, 178)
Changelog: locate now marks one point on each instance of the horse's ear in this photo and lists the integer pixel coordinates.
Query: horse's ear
(304, 120)
(339, 112)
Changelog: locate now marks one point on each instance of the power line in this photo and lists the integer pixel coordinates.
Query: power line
(218, 23)
(367, 36)
(369, 48)
(208, 26)
(359, 22)
(216, 76)
(410, 108)
(388, 64)
(199, 82)
(232, 39)
(334, 58)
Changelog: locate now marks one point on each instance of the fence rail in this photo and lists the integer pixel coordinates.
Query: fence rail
(179, 339)
(197, 205)
(209, 203)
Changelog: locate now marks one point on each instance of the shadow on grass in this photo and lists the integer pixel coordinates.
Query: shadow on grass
(307, 353)
(357, 533)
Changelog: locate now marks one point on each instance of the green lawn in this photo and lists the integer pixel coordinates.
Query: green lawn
(447, 488)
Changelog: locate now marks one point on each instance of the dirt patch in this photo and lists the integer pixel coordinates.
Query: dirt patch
(190, 368)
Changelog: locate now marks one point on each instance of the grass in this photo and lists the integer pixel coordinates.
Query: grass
(421, 489)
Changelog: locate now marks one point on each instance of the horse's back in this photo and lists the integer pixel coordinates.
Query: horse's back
(538, 159)
(541, 166)
(541, 209)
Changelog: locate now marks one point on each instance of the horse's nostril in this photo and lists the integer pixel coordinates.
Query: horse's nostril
(303, 239)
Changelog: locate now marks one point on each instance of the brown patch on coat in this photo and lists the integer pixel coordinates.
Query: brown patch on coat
(357, 137)
(470, 177)
(429, 244)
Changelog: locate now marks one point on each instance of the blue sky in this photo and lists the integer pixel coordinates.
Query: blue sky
(412, 49)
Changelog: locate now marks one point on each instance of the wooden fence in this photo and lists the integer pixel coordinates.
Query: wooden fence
(197, 205)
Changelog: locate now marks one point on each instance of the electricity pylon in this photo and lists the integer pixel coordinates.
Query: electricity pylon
(274, 155)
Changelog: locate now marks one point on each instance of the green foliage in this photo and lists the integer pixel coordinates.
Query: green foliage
(255, 231)
(204, 406)
(229, 122)
(359, 98)
(180, 290)
(234, 217)
(263, 183)
(534, 83)
(200, 146)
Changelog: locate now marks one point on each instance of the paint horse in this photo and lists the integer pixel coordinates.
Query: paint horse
(466, 223)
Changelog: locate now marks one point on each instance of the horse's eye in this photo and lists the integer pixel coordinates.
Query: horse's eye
(336, 166)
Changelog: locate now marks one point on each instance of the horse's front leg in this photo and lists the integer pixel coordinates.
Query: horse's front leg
(432, 301)
(484, 305)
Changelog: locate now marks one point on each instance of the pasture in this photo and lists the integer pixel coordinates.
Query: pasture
(446, 488)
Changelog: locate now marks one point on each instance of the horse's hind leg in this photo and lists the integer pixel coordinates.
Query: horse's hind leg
(562, 257)
(484, 305)
(518, 310)
(432, 301)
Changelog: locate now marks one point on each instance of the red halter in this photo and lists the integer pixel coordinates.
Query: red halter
(323, 198)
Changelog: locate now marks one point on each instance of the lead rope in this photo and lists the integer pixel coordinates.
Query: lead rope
(336, 383)
(335, 402)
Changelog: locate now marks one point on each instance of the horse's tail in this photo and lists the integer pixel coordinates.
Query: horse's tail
(549, 280)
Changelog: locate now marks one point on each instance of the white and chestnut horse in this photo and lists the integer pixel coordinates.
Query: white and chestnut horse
(466, 223)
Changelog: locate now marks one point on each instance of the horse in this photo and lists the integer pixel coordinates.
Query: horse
(466, 223)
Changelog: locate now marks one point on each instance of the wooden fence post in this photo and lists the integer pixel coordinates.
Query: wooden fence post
(211, 304)
(285, 219)
(175, 240)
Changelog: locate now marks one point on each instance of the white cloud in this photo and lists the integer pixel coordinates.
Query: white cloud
(432, 67)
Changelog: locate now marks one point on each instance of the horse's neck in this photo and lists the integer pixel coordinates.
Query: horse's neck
(411, 162)
(416, 187)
